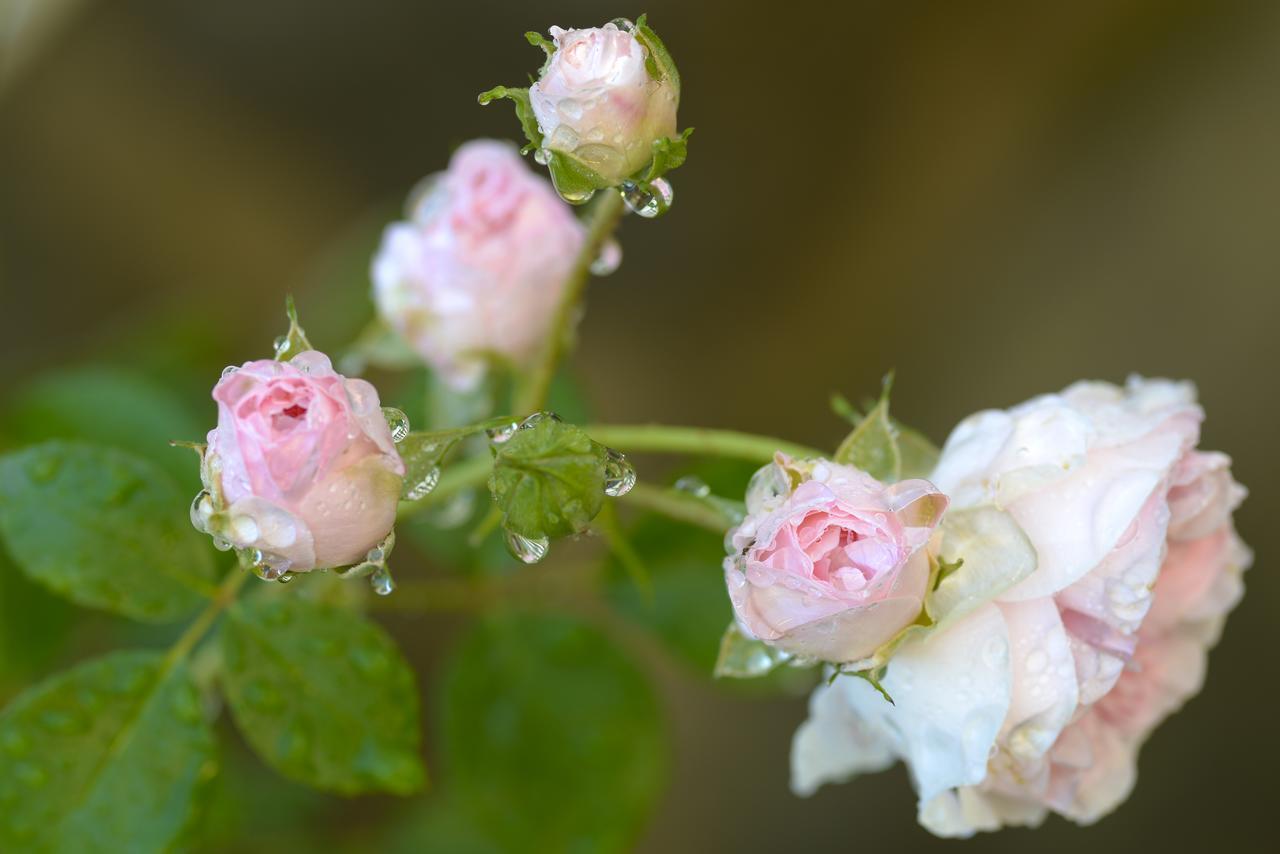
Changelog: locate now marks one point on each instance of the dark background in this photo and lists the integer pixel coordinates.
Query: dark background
(994, 199)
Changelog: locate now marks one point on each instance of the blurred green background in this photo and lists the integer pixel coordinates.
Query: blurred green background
(993, 198)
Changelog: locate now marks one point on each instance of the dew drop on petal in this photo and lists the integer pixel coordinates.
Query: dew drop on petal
(382, 582)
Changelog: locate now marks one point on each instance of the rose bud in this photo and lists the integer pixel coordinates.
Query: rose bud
(477, 272)
(830, 563)
(301, 465)
(1039, 698)
(597, 101)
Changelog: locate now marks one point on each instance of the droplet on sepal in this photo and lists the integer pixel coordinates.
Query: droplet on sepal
(280, 345)
(221, 543)
(609, 259)
(285, 578)
(649, 200)
(542, 156)
(500, 435)
(532, 421)
(382, 582)
(397, 422)
(695, 486)
(619, 474)
(424, 486)
(527, 549)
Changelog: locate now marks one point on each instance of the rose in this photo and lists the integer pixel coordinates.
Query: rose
(478, 271)
(301, 465)
(1039, 697)
(596, 100)
(830, 563)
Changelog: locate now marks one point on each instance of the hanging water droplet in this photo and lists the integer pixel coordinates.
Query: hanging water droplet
(382, 582)
(202, 511)
(229, 370)
(526, 549)
(542, 156)
(280, 345)
(499, 435)
(398, 423)
(619, 474)
(647, 200)
(624, 24)
(695, 486)
(424, 486)
(286, 577)
(376, 555)
(609, 259)
(221, 544)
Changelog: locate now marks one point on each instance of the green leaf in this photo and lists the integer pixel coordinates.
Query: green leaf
(668, 153)
(524, 112)
(548, 480)
(659, 62)
(742, 657)
(574, 180)
(553, 741)
(295, 340)
(103, 528)
(919, 455)
(873, 445)
(323, 695)
(34, 625)
(106, 757)
(110, 406)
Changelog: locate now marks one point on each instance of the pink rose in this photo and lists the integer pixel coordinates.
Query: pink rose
(596, 101)
(301, 465)
(1037, 697)
(476, 274)
(835, 566)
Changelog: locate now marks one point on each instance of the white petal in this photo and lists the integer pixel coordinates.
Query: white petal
(835, 744)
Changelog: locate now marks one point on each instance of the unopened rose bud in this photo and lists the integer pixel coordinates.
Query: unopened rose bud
(479, 269)
(597, 100)
(830, 563)
(301, 465)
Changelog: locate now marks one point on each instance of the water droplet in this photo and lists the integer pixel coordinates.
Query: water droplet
(376, 555)
(619, 474)
(609, 259)
(229, 370)
(1037, 661)
(525, 549)
(382, 582)
(244, 529)
(542, 157)
(397, 422)
(649, 200)
(500, 435)
(424, 486)
(280, 344)
(695, 486)
(624, 24)
(533, 420)
(286, 578)
(221, 544)
(202, 511)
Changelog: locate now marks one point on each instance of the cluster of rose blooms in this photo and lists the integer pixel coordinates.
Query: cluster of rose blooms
(1012, 627)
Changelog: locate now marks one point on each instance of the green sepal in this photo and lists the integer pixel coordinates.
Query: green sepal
(524, 112)
(659, 63)
(872, 446)
(295, 340)
(574, 180)
(548, 47)
(668, 153)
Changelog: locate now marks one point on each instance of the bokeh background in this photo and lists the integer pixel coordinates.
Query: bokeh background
(993, 198)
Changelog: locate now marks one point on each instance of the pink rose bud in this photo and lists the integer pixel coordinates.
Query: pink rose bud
(301, 466)
(1039, 697)
(829, 562)
(476, 274)
(597, 101)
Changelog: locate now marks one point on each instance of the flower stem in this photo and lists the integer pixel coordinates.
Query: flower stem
(678, 506)
(225, 595)
(696, 440)
(602, 219)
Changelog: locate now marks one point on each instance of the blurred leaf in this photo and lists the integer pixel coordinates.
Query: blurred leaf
(441, 825)
(553, 740)
(110, 406)
(33, 626)
(548, 480)
(919, 455)
(872, 446)
(323, 695)
(742, 657)
(103, 528)
(106, 757)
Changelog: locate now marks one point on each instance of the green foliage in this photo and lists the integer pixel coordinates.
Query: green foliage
(524, 112)
(668, 153)
(873, 444)
(659, 62)
(553, 740)
(573, 178)
(34, 625)
(103, 528)
(295, 340)
(322, 694)
(548, 480)
(919, 456)
(106, 757)
(111, 406)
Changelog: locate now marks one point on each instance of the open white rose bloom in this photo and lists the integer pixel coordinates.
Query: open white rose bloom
(1100, 562)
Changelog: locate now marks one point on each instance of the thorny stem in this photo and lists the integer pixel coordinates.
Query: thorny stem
(602, 219)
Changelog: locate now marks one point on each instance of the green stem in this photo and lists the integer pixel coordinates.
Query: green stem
(696, 440)
(679, 506)
(601, 221)
(225, 595)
